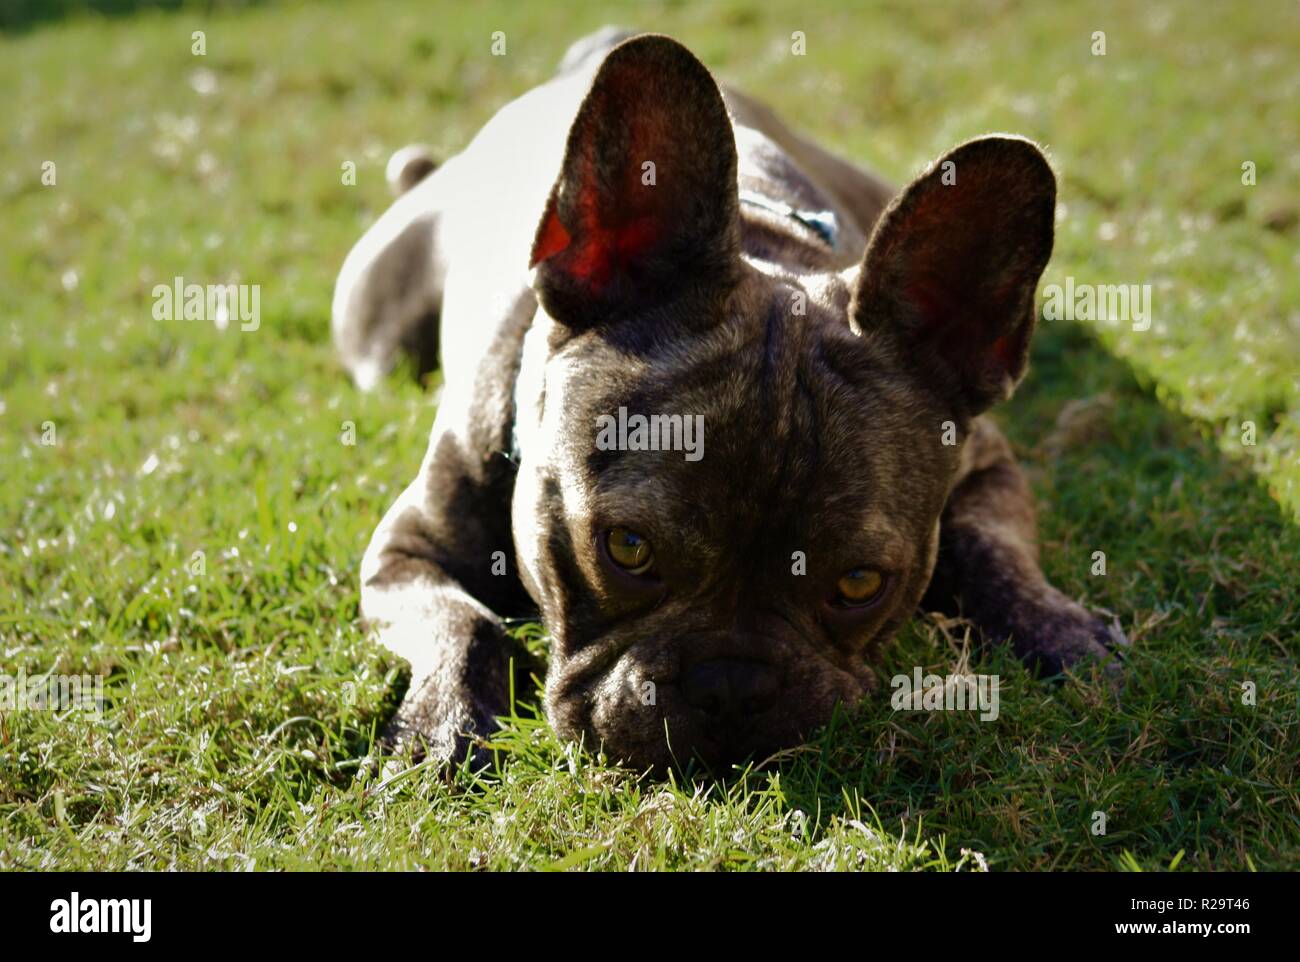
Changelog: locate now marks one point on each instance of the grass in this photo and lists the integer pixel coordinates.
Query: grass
(241, 693)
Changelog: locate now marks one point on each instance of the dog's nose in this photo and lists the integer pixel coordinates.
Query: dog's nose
(728, 688)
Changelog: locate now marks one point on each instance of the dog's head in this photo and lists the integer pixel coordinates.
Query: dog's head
(717, 598)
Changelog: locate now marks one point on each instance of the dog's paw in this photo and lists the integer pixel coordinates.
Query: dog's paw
(1064, 634)
(432, 724)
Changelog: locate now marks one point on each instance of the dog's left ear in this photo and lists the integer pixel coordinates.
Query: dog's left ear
(646, 203)
(952, 268)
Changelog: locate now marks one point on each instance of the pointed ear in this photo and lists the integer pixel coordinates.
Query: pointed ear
(646, 204)
(951, 271)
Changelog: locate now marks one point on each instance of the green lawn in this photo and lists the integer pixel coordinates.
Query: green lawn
(241, 698)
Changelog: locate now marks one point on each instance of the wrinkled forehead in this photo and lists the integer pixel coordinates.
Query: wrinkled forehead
(765, 432)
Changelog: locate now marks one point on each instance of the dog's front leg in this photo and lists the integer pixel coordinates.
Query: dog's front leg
(988, 564)
(433, 580)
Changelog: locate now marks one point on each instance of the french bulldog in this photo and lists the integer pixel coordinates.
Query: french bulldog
(630, 244)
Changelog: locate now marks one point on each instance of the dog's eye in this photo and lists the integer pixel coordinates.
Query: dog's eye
(630, 551)
(860, 586)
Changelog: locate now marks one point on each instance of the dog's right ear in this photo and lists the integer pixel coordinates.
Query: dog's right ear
(646, 204)
(952, 268)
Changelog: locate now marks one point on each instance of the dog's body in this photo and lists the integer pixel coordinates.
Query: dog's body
(696, 258)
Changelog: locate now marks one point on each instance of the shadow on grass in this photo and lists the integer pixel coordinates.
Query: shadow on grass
(21, 15)
(1198, 753)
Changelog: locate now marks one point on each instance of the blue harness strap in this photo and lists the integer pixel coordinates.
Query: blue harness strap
(820, 222)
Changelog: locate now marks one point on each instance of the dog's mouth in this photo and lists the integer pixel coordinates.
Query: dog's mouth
(659, 706)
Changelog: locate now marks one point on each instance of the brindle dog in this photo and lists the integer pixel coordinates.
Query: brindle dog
(630, 236)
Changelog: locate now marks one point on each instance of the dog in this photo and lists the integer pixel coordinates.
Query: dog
(631, 241)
